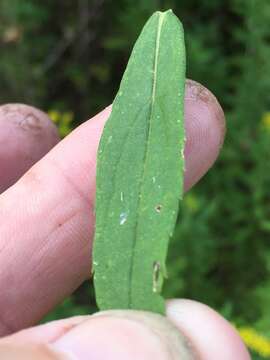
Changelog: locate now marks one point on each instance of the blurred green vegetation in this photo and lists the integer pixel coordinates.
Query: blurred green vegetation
(67, 57)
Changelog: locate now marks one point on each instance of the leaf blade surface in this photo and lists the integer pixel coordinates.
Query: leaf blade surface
(140, 171)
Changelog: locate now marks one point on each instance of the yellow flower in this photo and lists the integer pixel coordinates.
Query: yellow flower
(191, 202)
(63, 121)
(266, 120)
(255, 341)
(54, 115)
(67, 117)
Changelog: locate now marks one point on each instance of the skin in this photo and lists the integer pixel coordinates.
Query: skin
(33, 135)
(47, 218)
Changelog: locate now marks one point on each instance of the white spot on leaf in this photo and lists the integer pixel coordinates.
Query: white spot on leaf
(156, 275)
(123, 218)
(182, 153)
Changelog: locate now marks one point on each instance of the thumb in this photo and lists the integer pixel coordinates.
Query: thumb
(125, 335)
(117, 334)
(199, 333)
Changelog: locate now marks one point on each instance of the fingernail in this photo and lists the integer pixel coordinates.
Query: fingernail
(125, 335)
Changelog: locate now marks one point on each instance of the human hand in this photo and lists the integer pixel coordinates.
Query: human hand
(46, 227)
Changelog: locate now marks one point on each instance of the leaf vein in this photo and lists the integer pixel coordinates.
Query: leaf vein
(160, 22)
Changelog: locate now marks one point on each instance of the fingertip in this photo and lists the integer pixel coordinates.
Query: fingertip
(211, 335)
(28, 134)
(205, 130)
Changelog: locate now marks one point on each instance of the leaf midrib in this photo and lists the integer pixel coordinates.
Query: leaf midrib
(157, 46)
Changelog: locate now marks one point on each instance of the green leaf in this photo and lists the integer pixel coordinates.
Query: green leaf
(140, 171)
